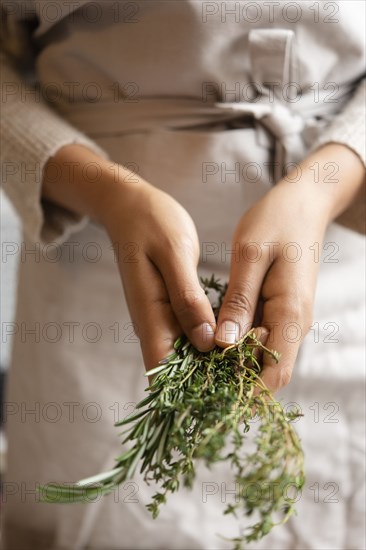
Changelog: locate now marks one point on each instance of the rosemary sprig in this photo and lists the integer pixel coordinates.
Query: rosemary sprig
(200, 406)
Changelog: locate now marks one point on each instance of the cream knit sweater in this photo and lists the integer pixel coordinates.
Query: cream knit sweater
(31, 133)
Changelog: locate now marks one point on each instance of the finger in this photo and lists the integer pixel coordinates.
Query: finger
(190, 304)
(151, 312)
(287, 315)
(240, 302)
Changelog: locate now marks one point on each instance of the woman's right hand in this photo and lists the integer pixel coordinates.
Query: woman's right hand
(160, 278)
(157, 250)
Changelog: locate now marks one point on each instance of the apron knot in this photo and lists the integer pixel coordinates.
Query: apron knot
(273, 68)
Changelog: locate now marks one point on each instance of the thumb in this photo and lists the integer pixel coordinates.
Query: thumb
(237, 311)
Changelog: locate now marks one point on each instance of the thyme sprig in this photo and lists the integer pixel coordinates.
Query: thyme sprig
(201, 406)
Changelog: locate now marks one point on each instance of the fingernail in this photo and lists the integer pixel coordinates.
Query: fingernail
(208, 332)
(205, 335)
(228, 332)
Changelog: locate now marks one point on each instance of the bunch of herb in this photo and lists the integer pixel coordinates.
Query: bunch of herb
(201, 406)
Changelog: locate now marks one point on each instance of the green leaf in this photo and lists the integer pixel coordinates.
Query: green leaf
(131, 418)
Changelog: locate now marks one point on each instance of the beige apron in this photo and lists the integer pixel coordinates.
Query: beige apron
(81, 367)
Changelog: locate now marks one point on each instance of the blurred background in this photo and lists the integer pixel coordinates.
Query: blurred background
(10, 233)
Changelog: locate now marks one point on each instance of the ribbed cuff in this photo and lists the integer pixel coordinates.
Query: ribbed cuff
(31, 133)
(348, 128)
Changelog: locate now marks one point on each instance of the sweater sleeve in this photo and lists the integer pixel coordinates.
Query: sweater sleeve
(30, 133)
(348, 128)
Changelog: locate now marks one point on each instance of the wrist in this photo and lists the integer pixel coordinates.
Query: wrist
(78, 179)
(329, 180)
(116, 192)
(121, 197)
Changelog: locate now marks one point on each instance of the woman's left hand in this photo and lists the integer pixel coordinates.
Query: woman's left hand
(275, 265)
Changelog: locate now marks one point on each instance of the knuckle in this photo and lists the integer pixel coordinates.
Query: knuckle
(188, 299)
(307, 317)
(285, 377)
(239, 302)
(183, 245)
(282, 379)
(300, 309)
(293, 311)
(175, 247)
